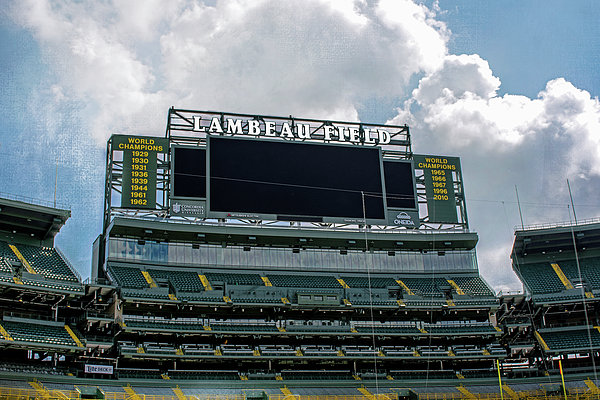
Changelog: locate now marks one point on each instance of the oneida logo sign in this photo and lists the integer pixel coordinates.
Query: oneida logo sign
(328, 132)
(404, 219)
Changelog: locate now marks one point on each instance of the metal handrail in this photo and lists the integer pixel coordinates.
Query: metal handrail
(564, 224)
(31, 200)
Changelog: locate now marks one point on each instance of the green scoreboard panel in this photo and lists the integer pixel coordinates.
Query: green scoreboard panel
(139, 169)
(439, 186)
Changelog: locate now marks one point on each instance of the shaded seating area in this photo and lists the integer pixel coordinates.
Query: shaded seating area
(474, 286)
(186, 281)
(570, 338)
(47, 262)
(426, 287)
(304, 281)
(39, 332)
(460, 329)
(128, 277)
(540, 278)
(235, 279)
(363, 282)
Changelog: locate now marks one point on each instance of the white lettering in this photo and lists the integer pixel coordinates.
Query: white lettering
(354, 136)
(253, 127)
(197, 126)
(327, 132)
(384, 136)
(286, 131)
(368, 138)
(303, 131)
(234, 126)
(341, 133)
(215, 126)
(269, 128)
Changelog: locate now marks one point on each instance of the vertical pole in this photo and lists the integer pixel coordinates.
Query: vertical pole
(499, 378)
(55, 181)
(572, 205)
(519, 204)
(562, 377)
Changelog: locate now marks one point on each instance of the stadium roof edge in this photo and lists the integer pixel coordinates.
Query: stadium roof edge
(282, 236)
(31, 220)
(556, 238)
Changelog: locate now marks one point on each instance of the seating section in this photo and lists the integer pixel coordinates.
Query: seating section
(451, 329)
(426, 287)
(304, 281)
(185, 281)
(204, 375)
(590, 270)
(7, 253)
(199, 297)
(46, 284)
(363, 282)
(38, 333)
(156, 293)
(243, 328)
(5, 266)
(235, 279)
(128, 277)
(540, 278)
(316, 375)
(47, 262)
(571, 339)
(164, 325)
(333, 329)
(400, 329)
(419, 375)
(474, 286)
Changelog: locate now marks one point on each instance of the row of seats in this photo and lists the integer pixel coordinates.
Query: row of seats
(38, 333)
(189, 281)
(311, 351)
(303, 375)
(45, 261)
(444, 329)
(571, 339)
(590, 270)
(541, 278)
(45, 284)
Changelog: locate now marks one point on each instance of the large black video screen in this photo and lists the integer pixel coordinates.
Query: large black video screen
(189, 172)
(399, 184)
(294, 179)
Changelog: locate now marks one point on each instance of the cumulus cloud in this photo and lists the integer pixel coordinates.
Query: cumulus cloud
(507, 141)
(129, 61)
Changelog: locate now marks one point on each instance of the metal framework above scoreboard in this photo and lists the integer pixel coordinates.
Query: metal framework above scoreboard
(140, 171)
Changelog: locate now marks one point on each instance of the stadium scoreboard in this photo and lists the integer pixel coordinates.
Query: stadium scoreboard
(278, 169)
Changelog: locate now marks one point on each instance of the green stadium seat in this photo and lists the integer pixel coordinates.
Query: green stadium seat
(186, 281)
(474, 286)
(571, 338)
(39, 332)
(540, 278)
(235, 278)
(363, 282)
(304, 281)
(426, 286)
(128, 277)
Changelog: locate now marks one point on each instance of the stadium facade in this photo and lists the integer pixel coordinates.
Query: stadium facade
(249, 256)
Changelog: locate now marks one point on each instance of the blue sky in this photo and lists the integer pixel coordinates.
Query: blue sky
(510, 87)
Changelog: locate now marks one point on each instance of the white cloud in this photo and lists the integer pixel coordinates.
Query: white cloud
(503, 141)
(129, 61)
